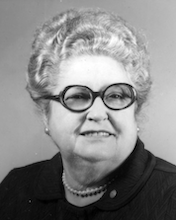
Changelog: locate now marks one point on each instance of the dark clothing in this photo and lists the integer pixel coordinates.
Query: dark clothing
(145, 189)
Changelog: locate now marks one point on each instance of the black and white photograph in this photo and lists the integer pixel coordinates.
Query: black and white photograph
(88, 110)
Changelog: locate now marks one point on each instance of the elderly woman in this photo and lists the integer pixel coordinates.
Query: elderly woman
(89, 76)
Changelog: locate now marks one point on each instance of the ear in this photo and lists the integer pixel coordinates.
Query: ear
(136, 109)
(46, 125)
(45, 120)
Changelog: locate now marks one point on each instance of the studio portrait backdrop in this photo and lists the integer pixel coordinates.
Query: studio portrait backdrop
(22, 136)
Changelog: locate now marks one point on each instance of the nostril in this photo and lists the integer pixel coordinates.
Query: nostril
(96, 118)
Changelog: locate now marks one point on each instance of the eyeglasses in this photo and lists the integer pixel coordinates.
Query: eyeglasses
(79, 98)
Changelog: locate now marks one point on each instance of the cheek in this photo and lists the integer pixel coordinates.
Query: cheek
(125, 120)
(58, 123)
(62, 125)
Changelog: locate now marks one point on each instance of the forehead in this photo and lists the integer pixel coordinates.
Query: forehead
(95, 72)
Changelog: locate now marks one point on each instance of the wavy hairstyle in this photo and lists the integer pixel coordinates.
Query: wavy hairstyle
(86, 32)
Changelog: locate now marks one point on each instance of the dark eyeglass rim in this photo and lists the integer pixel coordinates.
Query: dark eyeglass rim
(60, 97)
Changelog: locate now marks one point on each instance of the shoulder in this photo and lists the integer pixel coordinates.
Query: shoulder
(162, 179)
(17, 190)
(23, 173)
(163, 182)
(22, 179)
(165, 166)
(164, 174)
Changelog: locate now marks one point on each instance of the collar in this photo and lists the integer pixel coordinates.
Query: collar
(131, 177)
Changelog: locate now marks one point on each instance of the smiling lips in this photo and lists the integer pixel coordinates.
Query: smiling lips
(96, 133)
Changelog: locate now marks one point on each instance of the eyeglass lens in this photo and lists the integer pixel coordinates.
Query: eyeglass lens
(78, 98)
(117, 96)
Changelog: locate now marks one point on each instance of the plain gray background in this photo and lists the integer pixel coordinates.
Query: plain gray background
(22, 138)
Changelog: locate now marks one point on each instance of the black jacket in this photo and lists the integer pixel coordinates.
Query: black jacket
(145, 189)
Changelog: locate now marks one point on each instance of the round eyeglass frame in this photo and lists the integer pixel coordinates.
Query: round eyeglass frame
(60, 97)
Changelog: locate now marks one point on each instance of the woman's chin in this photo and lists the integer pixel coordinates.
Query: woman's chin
(96, 149)
(91, 154)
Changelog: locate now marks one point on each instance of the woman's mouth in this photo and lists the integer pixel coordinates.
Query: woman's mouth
(96, 134)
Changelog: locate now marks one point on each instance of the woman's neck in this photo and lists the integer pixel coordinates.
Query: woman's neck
(80, 181)
(83, 175)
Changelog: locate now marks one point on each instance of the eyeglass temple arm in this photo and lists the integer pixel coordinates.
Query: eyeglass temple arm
(49, 97)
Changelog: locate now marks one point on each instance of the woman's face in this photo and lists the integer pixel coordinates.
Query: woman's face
(113, 133)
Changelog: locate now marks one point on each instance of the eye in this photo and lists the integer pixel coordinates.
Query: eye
(116, 96)
(78, 96)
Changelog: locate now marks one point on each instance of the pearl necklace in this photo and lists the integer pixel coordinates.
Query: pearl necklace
(88, 191)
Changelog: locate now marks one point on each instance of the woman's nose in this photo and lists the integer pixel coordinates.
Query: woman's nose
(98, 111)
